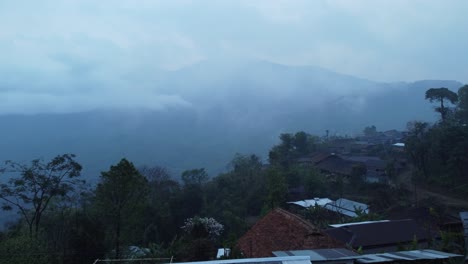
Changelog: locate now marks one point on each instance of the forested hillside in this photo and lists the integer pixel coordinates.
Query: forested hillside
(144, 212)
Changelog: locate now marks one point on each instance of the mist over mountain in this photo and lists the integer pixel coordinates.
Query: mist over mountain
(231, 107)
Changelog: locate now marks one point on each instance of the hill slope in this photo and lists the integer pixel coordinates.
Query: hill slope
(234, 108)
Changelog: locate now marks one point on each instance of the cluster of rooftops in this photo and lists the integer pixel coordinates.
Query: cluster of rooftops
(282, 237)
(284, 234)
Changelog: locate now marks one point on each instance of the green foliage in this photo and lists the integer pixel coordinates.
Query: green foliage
(382, 197)
(199, 249)
(439, 152)
(194, 177)
(390, 169)
(301, 143)
(320, 217)
(198, 242)
(358, 173)
(162, 209)
(417, 145)
(68, 232)
(192, 197)
(37, 185)
(414, 243)
(359, 250)
(363, 216)
(276, 188)
(451, 242)
(120, 197)
(158, 251)
(442, 95)
(237, 194)
(23, 249)
(146, 208)
(462, 107)
(315, 183)
(291, 147)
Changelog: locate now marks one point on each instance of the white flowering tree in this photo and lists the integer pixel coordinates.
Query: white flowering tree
(200, 227)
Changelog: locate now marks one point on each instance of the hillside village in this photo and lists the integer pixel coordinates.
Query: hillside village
(348, 231)
(380, 197)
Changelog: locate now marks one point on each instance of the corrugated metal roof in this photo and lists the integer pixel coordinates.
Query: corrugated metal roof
(351, 205)
(312, 202)
(379, 233)
(426, 254)
(359, 223)
(319, 254)
(342, 206)
(344, 254)
(347, 207)
(273, 260)
(342, 211)
(310, 253)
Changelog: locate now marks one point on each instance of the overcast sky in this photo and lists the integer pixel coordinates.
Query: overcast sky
(55, 55)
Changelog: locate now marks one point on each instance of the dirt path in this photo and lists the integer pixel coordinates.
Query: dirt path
(422, 193)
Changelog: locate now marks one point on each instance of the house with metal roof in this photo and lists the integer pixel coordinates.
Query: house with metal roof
(337, 166)
(329, 163)
(282, 230)
(376, 167)
(380, 236)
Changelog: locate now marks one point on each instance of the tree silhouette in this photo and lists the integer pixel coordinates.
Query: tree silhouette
(441, 95)
(36, 186)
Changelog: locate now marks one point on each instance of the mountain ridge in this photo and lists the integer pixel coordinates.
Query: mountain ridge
(243, 111)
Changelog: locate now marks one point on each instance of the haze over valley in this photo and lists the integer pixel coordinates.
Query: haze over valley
(244, 107)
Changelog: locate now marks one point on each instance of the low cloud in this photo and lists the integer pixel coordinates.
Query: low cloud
(78, 55)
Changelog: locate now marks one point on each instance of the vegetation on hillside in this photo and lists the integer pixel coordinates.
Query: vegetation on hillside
(63, 221)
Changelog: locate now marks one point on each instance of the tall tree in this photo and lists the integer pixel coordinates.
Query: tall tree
(370, 131)
(462, 107)
(417, 145)
(194, 177)
(35, 185)
(277, 188)
(120, 194)
(300, 142)
(191, 200)
(441, 95)
(160, 224)
(291, 147)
